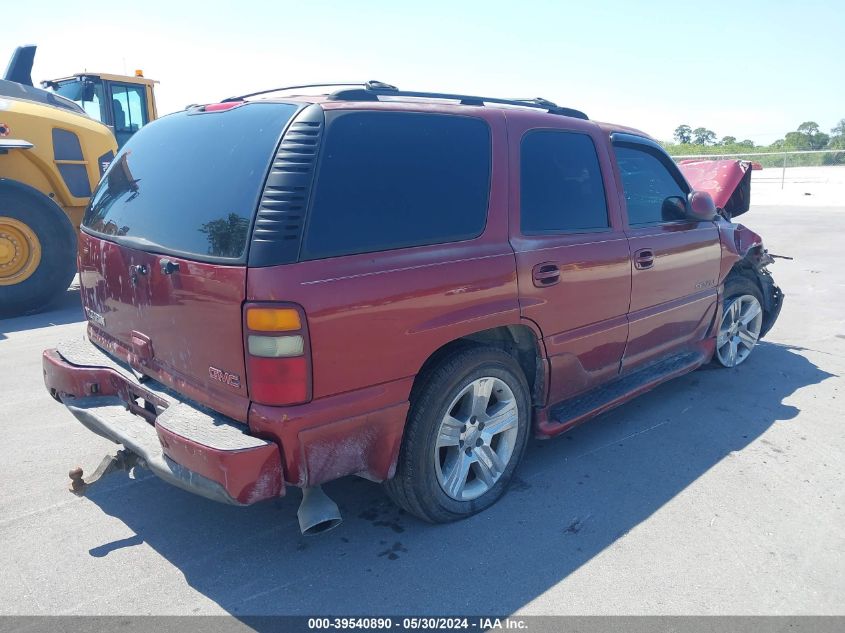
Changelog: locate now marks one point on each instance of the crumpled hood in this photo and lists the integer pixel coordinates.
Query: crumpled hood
(727, 181)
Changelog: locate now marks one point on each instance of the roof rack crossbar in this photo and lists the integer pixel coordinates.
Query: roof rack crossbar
(375, 89)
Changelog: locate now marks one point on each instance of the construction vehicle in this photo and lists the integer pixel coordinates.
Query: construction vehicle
(55, 144)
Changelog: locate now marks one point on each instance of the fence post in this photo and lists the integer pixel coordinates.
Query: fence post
(783, 173)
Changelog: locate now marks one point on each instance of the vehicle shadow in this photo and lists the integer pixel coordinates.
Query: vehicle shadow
(573, 498)
(66, 308)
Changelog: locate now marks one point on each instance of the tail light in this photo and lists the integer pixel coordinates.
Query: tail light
(278, 354)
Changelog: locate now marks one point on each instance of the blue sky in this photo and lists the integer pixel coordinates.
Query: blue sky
(744, 68)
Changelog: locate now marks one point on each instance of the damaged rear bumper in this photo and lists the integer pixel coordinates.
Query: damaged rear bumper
(184, 444)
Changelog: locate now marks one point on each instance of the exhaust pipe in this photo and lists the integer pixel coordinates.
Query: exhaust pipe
(317, 513)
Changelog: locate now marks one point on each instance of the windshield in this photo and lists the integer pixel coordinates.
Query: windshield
(188, 184)
(75, 89)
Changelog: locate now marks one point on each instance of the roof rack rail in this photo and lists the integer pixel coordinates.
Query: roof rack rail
(372, 90)
(269, 90)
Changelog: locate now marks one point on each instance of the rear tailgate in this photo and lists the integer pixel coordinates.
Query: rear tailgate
(163, 250)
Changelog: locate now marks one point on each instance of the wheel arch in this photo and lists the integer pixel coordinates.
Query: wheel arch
(752, 267)
(519, 340)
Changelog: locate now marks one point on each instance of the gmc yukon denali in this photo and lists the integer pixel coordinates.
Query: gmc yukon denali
(281, 291)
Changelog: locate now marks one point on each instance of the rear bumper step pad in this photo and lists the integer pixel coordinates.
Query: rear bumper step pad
(187, 445)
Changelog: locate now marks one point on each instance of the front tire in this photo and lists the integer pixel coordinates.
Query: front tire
(466, 433)
(742, 322)
(37, 253)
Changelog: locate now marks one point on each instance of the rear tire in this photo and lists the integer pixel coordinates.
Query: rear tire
(38, 253)
(466, 433)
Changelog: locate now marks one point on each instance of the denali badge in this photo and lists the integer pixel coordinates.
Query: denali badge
(95, 317)
(233, 380)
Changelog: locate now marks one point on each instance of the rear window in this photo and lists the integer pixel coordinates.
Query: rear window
(188, 184)
(394, 179)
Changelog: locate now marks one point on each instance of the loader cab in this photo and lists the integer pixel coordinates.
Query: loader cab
(123, 103)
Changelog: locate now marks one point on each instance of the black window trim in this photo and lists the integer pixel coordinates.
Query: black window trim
(608, 229)
(330, 116)
(648, 146)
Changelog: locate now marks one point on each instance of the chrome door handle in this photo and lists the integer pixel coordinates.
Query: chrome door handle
(644, 258)
(545, 274)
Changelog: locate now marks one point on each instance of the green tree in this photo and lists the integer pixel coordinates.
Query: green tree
(806, 137)
(837, 139)
(703, 136)
(746, 143)
(809, 128)
(728, 140)
(683, 134)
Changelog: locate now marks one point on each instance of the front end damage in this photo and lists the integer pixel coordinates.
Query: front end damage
(743, 253)
(727, 181)
(729, 184)
(755, 264)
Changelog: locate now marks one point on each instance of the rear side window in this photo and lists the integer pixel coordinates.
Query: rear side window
(561, 188)
(646, 183)
(394, 179)
(188, 184)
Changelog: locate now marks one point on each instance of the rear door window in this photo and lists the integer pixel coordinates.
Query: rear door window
(646, 183)
(390, 180)
(561, 187)
(188, 184)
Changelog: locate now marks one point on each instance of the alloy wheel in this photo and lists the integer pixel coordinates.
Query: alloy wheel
(739, 330)
(476, 438)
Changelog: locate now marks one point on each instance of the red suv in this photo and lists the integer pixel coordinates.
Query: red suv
(397, 285)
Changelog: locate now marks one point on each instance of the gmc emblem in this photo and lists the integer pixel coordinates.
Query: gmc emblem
(233, 380)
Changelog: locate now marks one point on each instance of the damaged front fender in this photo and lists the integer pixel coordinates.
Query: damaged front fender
(744, 254)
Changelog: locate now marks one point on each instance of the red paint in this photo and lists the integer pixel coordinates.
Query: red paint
(248, 475)
(719, 178)
(191, 319)
(221, 107)
(625, 297)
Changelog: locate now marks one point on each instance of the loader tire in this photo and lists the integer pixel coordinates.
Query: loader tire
(37, 253)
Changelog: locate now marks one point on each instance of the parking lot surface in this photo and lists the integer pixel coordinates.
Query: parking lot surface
(721, 492)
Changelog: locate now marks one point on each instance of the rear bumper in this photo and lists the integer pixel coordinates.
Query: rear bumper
(184, 444)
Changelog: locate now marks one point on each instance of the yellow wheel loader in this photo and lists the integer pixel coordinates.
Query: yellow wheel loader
(55, 143)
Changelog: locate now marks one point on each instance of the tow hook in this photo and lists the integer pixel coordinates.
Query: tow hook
(123, 460)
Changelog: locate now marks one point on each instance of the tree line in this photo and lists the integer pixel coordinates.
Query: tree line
(808, 136)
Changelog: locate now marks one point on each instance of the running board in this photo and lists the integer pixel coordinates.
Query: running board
(564, 415)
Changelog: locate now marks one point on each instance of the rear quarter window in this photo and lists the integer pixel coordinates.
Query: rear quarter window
(390, 180)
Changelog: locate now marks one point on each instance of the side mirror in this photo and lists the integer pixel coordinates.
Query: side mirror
(701, 207)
